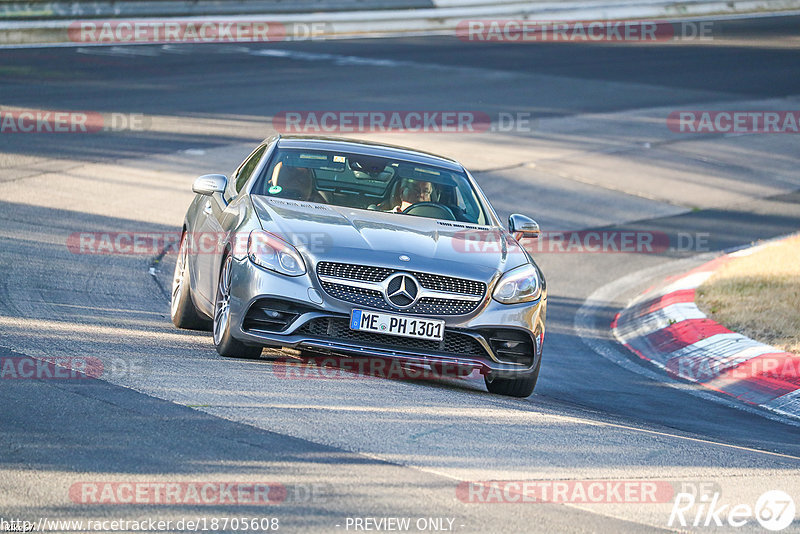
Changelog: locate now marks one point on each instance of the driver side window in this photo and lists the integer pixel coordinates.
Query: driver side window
(247, 169)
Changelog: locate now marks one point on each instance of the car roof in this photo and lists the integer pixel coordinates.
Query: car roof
(367, 148)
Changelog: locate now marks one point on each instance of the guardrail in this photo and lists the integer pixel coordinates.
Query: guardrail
(48, 10)
(342, 18)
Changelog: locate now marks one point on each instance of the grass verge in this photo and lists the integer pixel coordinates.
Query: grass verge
(759, 295)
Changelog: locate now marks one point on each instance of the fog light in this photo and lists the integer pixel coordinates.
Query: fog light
(314, 296)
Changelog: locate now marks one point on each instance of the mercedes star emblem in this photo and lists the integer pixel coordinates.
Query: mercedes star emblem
(402, 290)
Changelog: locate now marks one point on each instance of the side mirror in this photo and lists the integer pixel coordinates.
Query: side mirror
(208, 184)
(522, 226)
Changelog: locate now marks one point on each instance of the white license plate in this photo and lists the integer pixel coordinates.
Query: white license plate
(397, 325)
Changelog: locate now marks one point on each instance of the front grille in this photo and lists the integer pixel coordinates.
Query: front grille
(357, 295)
(374, 299)
(338, 329)
(448, 283)
(353, 272)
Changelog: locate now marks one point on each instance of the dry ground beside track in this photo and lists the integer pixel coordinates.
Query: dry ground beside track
(759, 295)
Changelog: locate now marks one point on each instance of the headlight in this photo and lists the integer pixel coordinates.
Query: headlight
(271, 252)
(518, 285)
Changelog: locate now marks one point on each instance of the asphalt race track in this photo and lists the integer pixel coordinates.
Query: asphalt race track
(596, 154)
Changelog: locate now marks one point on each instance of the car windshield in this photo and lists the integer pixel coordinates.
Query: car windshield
(371, 183)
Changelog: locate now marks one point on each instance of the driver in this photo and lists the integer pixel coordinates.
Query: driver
(412, 192)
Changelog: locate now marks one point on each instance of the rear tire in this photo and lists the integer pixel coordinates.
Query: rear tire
(183, 312)
(225, 343)
(513, 387)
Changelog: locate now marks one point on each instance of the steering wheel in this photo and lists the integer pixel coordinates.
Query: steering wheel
(433, 210)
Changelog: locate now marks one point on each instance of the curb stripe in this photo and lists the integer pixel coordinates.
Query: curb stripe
(761, 379)
(788, 404)
(665, 327)
(682, 296)
(658, 320)
(684, 333)
(709, 358)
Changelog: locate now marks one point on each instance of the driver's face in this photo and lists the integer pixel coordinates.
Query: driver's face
(418, 192)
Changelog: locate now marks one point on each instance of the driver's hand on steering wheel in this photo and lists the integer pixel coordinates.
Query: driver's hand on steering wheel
(402, 207)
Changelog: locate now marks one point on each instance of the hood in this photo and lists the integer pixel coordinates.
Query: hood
(323, 232)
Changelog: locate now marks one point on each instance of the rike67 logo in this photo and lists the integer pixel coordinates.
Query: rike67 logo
(774, 510)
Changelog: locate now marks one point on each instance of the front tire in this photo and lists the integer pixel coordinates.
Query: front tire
(225, 343)
(514, 387)
(182, 310)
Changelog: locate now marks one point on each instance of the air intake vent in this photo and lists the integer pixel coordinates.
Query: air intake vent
(272, 315)
(511, 346)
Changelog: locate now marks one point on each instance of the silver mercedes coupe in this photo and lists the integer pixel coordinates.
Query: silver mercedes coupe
(352, 248)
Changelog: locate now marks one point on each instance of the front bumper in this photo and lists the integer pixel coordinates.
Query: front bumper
(314, 321)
